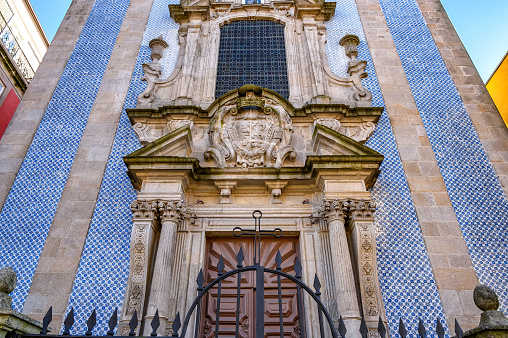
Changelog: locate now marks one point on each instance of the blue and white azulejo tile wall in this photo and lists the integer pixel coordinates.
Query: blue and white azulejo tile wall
(104, 267)
(407, 281)
(475, 192)
(31, 204)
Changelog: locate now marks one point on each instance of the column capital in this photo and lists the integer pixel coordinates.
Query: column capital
(173, 210)
(144, 210)
(334, 209)
(361, 209)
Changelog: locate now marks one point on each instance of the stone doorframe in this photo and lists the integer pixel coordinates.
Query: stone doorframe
(328, 232)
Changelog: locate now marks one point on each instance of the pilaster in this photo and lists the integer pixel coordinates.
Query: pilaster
(143, 239)
(363, 245)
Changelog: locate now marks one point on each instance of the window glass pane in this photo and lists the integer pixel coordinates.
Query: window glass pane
(252, 52)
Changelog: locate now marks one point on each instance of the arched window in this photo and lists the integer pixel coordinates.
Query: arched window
(252, 52)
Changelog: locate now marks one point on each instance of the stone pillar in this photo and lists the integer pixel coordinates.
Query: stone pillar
(363, 242)
(11, 320)
(345, 288)
(171, 213)
(142, 241)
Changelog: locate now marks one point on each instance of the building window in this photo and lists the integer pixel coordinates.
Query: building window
(252, 52)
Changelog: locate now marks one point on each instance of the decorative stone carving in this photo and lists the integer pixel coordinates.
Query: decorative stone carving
(334, 209)
(174, 210)
(276, 193)
(144, 209)
(329, 123)
(8, 282)
(358, 132)
(175, 124)
(356, 68)
(250, 133)
(368, 270)
(226, 188)
(362, 209)
(152, 70)
(225, 196)
(138, 278)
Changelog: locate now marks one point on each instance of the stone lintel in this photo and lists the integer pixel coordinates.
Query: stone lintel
(165, 168)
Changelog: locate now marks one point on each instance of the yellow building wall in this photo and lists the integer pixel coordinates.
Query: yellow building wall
(498, 88)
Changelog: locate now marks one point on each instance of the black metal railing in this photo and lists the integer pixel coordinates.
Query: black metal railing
(325, 323)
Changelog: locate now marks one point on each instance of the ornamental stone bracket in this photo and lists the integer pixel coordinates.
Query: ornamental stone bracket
(148, 217)
(356, 218)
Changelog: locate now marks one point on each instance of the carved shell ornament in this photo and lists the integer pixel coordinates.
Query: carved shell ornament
(248, 133)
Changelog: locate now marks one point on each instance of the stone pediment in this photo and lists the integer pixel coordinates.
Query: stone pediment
(177, 143)
(328, 142)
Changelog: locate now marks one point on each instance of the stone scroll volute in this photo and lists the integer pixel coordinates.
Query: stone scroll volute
(247, 132)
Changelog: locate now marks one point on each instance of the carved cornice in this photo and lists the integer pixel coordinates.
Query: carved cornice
(174, 210)
(144, 209)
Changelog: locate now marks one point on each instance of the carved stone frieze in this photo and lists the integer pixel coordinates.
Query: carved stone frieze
(144, 209)
(248, 133)
(174, 210)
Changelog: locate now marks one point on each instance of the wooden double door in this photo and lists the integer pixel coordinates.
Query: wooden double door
(228, 248)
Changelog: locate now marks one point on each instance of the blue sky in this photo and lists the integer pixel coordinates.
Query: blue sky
(481, 25)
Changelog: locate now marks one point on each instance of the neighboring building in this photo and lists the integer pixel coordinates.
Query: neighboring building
(497, 85)
(153, 128)
(22, 47)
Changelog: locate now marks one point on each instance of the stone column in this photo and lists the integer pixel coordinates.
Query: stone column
(345, 289)
(361, 226)
(171, 213)
(142, 242)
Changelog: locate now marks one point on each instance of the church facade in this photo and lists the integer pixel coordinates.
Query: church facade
(154, 128)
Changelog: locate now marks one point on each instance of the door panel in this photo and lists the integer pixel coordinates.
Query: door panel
(228, 248)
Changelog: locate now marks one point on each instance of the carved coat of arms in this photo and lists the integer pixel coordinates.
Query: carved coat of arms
(249, 134)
